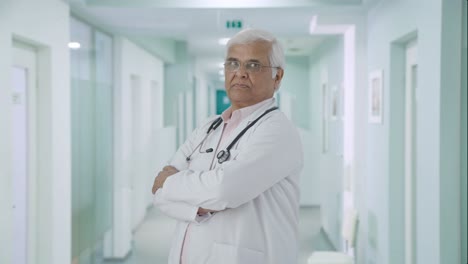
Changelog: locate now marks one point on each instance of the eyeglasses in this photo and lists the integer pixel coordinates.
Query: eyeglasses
(250, 66)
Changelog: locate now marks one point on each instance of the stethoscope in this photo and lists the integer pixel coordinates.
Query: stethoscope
(224, 155)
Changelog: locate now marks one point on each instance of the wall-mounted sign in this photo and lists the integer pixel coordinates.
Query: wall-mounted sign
(234, 24)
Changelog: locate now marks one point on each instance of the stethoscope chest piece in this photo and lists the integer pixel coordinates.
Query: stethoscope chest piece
(223, 155)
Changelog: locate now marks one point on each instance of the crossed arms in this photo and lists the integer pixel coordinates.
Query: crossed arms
(166, 172)
(271, 154)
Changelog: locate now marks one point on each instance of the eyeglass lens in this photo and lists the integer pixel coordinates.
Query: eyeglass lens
(233, 66)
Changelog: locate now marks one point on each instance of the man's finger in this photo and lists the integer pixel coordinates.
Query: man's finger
(155, 184)
(169, 168)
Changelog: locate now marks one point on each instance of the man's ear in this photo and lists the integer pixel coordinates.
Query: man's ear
(279, 74)
(278, 77)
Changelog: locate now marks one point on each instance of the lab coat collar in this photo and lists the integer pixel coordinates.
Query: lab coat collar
(266, 104)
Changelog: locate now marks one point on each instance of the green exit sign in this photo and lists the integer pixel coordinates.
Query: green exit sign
(234, 24)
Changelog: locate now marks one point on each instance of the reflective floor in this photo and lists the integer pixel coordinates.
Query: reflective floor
(152, 238)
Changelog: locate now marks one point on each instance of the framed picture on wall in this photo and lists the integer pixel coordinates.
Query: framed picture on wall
(375, 97)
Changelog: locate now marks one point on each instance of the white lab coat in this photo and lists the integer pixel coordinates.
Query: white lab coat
(256, 193)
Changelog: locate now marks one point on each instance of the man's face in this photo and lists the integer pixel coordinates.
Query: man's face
(248, 88)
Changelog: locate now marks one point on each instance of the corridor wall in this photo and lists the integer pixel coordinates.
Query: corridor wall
(43, 25)
(178, 82)
(138, 115)
(464, 136)
(436, 25)
(202, 92)
(92, 137)
(294, 93)
(326, 70)
(296, 83)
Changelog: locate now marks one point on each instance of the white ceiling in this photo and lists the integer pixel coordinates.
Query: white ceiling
(200, 23)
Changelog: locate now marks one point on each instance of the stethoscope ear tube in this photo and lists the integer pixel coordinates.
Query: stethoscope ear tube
(212, 127)
(215, 124)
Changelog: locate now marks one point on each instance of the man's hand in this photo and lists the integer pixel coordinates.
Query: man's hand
(162, 176)
(202, 211)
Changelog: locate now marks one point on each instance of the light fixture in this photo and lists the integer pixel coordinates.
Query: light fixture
(223, 41)
(313, 25)
(74, 45)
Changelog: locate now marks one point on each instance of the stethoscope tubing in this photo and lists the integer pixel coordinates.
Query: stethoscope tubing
(224, 155)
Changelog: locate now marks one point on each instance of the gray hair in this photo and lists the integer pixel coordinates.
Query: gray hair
(250, 35)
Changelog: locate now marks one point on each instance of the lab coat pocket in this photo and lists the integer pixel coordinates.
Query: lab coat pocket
(229, 254)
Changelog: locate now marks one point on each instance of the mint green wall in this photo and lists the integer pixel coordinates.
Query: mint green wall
(328, 166)
(463, 144)
(450, 140)
(137, 121)
(437, 211)
(295, 86)
(43, 24)
(201, 92)
(177, 78)
(396, 123)
(164, 49)
(6, 182)
(296, 82)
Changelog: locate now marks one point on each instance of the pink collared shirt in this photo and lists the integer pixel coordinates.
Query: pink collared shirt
(231, 119)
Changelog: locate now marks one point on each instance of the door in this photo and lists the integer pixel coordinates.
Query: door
(23, 131)
(410, 151)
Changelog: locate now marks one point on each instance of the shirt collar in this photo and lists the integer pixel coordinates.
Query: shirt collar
(242, 113)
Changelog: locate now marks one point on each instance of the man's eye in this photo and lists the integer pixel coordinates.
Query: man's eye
(253, 65)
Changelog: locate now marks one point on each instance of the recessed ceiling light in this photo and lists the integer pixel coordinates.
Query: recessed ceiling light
(74, 45)
(313, 24)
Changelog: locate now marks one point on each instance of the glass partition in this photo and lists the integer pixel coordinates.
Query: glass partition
(92, 138)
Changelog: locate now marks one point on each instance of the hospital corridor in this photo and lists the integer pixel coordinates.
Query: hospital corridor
(97, 96)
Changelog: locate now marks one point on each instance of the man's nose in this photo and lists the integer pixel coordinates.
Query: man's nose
(242, 72)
